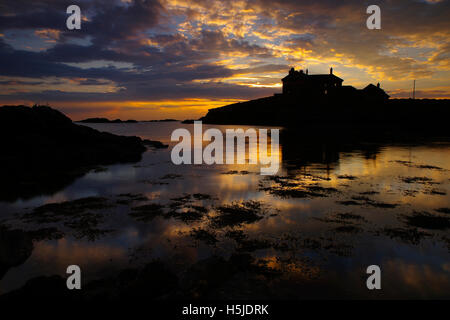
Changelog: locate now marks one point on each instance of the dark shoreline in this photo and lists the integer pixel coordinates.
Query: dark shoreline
(43, 151)
(105, 120)
(424, 116)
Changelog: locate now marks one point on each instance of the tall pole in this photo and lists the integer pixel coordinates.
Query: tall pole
(414, 90)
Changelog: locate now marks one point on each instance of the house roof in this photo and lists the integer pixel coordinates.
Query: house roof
(348, 88)
(372, 89)
(314, 77)
(296, 75)
(325, 77)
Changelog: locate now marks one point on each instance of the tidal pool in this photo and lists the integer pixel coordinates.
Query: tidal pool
(225, 231)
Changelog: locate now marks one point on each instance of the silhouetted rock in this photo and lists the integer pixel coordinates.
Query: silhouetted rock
(41, 290)
(154, 144)
(43, 151)
(15, 248)
(162, 120)
(153, 281)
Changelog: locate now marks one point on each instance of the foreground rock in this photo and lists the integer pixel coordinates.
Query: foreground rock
(238, 277)
(43, 151)
(15, 248)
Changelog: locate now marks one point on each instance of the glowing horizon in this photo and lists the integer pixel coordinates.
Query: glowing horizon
(179, 58)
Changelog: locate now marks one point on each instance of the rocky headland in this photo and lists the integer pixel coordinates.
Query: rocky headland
(43, 150)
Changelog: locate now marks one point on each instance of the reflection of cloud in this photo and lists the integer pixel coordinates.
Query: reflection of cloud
(63, 253)
(417, 278)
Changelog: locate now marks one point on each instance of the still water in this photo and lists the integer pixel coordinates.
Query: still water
(308, 232)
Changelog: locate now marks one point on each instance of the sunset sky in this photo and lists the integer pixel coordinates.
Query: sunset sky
(178, 58)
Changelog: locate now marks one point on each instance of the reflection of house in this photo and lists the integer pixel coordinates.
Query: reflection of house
(302, 83)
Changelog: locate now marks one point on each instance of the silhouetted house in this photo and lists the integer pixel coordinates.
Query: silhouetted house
(294, 82)
(299, 83)
(374, 93)
(346, 93)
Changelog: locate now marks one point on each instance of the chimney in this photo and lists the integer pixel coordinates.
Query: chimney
(331, 70)
(378, 85)
(306, 71)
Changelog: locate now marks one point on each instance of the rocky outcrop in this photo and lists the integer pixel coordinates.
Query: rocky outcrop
(43, 150)
(15, 248)
(400, 115)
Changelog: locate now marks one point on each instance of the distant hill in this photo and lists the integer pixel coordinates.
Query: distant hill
(105, 120)
(162, 120)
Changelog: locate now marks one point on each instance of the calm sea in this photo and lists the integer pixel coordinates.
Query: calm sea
(329, 213)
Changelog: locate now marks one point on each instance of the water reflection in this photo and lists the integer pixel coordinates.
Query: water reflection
(332, 210)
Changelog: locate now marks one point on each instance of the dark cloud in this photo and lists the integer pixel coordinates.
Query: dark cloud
(216, 42)
(113, 22)
(32, 14)
(170, 63)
